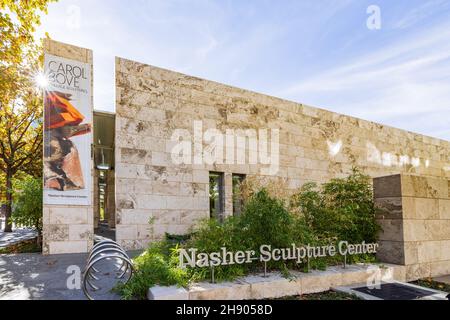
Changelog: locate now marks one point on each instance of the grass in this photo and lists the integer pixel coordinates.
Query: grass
(431, 284)
(329, 295)
(29, 246)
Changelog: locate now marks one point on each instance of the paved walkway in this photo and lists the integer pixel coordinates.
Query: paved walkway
(105, 231)
(38, 277)
(18, 235)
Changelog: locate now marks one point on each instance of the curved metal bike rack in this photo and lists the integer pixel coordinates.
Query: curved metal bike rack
(103, 245)
(105, 250)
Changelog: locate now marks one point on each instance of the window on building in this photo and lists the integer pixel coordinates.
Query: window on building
(216, 196)
(238, 201)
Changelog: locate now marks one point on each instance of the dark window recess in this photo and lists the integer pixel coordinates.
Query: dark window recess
(216, 196)
(238, 201)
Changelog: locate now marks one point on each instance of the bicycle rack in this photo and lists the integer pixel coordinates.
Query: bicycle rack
(105, 250)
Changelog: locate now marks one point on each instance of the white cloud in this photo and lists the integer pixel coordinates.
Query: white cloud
(394, 82)
(420, 13)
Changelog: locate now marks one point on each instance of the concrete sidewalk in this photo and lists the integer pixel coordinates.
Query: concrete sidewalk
(18, 235)
(38, 277)
(15, 237)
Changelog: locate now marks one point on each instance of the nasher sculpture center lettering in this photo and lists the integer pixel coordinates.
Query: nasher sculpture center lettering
(192, 258)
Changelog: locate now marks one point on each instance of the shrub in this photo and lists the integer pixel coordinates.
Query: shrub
(342, 209)
(156, 266)
(211, 236)
(265, 220)
(317, 216)
(352, 200)
(27, 211)
(303, 234)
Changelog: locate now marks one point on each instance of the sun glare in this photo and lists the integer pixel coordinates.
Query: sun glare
(41, 80)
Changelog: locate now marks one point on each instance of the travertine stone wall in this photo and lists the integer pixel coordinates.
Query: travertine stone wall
(415, 217)
(315, 145)
(68, 229)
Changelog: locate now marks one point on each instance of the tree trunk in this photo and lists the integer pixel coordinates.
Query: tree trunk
(39, 240)
(39, 237)
(8, 208)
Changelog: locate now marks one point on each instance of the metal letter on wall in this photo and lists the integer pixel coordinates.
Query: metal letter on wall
(68, 132)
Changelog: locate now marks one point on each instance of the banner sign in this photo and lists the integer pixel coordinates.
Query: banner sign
(67, 132)
(192, 258)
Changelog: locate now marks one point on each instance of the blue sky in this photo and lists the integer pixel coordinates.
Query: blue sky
(316, 52)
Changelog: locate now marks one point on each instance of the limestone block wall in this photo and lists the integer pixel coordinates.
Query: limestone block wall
(415, 219)
(68, 229)
(315, 145)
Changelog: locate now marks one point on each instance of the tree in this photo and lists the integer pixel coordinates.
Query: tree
(21, 105)
(20, 140)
